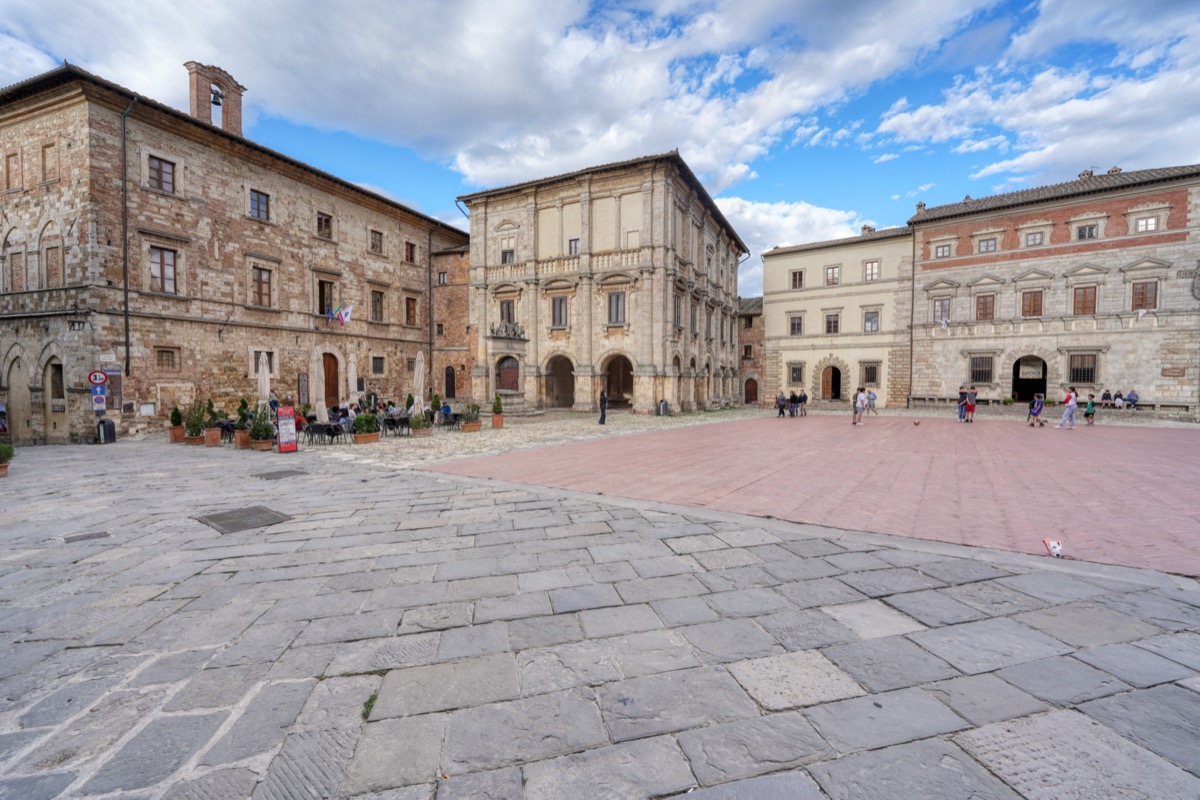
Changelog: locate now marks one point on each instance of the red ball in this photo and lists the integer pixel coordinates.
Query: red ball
(916, 422)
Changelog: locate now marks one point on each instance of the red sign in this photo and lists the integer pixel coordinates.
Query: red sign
(285, 423)
(97, 378)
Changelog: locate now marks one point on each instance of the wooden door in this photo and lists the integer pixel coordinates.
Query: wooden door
(751, 392)
(332, 396)
(827, 383)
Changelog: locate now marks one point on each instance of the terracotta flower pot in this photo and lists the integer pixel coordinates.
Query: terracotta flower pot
(472, 427)
(422, 431)
(4, 470)
(497, 421)
(212, 437)
(241, 439)
(366, 438)
(176, 432)
(194, 439)
(261, 444)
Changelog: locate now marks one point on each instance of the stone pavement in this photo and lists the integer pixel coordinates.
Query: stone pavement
(407, 635)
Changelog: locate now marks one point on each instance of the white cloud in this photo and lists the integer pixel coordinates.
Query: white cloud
(979, 145)
(763, 226)
(885, 157)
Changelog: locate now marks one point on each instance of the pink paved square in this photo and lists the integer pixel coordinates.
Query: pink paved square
(1113, 494)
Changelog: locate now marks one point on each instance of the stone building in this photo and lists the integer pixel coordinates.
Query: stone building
(1090, 283)
(751, 343)
(169, 252)
(836, 317)
(453, 353)
(620, 277)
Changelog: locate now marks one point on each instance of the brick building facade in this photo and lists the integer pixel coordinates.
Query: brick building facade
(751, 344)
(621, 278)
(170, 252)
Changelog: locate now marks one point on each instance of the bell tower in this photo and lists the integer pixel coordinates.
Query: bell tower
(212, 86)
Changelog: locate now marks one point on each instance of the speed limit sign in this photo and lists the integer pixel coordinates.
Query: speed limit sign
(97, 378)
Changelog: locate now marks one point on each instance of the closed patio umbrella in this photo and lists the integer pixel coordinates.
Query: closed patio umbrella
(264, 379)
(317, 370)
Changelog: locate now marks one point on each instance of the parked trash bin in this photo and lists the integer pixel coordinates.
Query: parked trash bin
(664, 410)
(106, 431)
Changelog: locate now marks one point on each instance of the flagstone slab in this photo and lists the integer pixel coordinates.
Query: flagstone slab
(926, 769)
(794, 680)
(1165, 719)
(988, 645)
(439, 687)
(672, 701)
(644, 768)
(879, 720)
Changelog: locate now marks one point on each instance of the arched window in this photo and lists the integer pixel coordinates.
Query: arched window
(507, 374)
(449, 384)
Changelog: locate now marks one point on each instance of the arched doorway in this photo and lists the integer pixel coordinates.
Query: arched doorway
(508, 374)
(702, 378)
(54, 393)
(831, 384)
(560, 383)
(619, 380)
(751, 392)
(448, 390)
(20, 424)
(332, 395)
(676, 377)
(1028, 378)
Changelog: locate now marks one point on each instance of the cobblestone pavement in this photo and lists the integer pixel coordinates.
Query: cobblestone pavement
(407, 635)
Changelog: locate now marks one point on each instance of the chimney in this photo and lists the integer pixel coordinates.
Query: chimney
(867, 229)
(209, 86)
(920, 208)
(1087, 173)
(1114, 170)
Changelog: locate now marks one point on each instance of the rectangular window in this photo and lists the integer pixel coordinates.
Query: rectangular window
(440, 329)
(795, 326)
(162, 270)
(941, 251)
(871, 322)
(558, 312)
(1083, 368)
(506, 311)
(797, 375)
(833, 276)
(410, 311)
(260, 286)
(377, 242)
(985, 306)
(410, 252)
(798, 279)
(260, 205)
(870, 375)
(708, 325)
(748, 322)
(1085, 300)
(162, 175)
(376, 306)
(324, 226)
(57, 387)
(12, 171)
(1145, 296)
(1031, 303)
(1146, 224)
(987, 245)
(677, 311)
(833, 323)
(695, 318)
(572, 247)
(871, 271)
(1035, 238)
(616, 308)
(268, 356)
(325, 297)
(981, 369)
(443, 279)
(1090, 231)
(941, 309)
(166, 360)
(748, 351)
(377, 365)
(508, 257)
(49, 163)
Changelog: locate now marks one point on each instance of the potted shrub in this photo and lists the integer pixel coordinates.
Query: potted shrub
(366, 429)
(176, 429)
(193, 424)
(212, 431)
(241, 429)
(470, 418)
(262, 432)
(6, 454)
(420, 425)
(497, 412)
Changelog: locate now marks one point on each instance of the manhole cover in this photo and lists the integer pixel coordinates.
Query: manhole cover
(83, 537)
(243, 519)
(280, 475)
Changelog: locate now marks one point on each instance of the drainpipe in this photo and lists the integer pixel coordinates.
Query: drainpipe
(912, 316)
(429, 293)
(125, 229)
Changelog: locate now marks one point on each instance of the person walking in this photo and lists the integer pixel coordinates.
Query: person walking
(972, 397)
(1035, 411)
(860, 404)
(603, 405)
(803, 403)
(1072, 404)
(871, 402)
(781, 402)
(793, 402)
(1089, 413)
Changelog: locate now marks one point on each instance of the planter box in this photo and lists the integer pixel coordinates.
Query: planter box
(497, 421)
(176, 432)
(422, 431)
(241, 439)
(261, 444)
(472, 427)
(194, 439)
(366, 438)
(212, 437)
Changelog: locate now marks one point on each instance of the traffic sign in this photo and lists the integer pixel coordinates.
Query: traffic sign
(98, 402)
(97, 378)
(99, 390)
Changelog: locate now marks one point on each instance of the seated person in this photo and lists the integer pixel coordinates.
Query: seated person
(1131, 399)
(446, 412)
(1106, 399)
(1119, 400)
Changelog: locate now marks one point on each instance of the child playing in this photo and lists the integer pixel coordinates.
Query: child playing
(1089, 413)
(1035, 411)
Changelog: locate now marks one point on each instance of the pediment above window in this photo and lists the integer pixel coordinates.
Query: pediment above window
(1034, 276)
(986, 282)
(942, 285)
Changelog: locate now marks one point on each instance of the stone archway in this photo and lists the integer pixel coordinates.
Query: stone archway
(750, 392)
(508, 374)
(54, 400)
(20, 406)
(618, 379)
(676, 378)
(823, 376)
(559, 383)
(1028, 378)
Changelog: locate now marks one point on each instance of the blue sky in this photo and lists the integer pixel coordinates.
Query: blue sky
(804, 118)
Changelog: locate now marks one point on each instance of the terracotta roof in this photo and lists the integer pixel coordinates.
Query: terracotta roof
(1090, 184)
(886, 233)
(67, 73)
(750, 306)
(672, 156)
